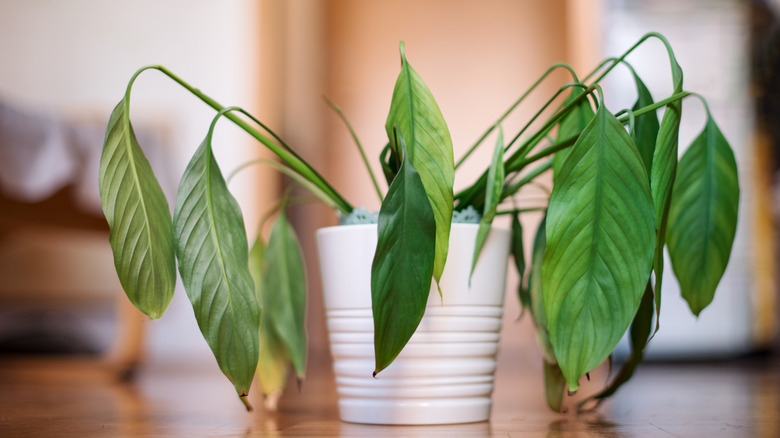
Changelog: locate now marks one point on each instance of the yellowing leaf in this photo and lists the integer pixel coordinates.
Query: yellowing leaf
(212, 250)
(416, 115)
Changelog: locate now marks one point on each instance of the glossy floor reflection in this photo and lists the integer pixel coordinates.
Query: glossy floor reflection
(75, 398)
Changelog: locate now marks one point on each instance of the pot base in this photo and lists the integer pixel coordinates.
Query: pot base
(417, 412)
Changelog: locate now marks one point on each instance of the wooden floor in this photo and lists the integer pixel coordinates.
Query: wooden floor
(58, 398)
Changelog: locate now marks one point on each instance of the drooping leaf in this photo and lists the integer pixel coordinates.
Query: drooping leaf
(535, 292)
(662, 173)
(492, 197)
(554, 386)
(518, 256)
(646, 126)
(658, 262)
(402, 270)
(284, 291)
(645, 134)
(572, 124)
(600, 242)
(415, 113)
(211, 247)
(274, 362)
(554, 382)
(703, 216)
(141, 231)
(641, 327)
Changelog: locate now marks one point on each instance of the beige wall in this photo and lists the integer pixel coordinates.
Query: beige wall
(73, 60)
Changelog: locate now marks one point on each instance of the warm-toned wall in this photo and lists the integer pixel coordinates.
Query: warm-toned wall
(477, 58)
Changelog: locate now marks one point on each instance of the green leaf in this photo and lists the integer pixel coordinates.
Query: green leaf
(535, 293)
(284, 286)
(492, 197)
(390, 163)
(572, 124)
(640, 331)
(703, 216)
(141, 231)
(646, 126)
(518, 256)
(645, 134)
(554, 382)
(274, 362)
(554, 386)
(662, 173)
(418, 117)
(658, 262)
(402, 269)
(600, 241)
(212, 250)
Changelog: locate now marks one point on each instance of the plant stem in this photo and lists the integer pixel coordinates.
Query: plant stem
(295, 176)
(549, 150)
(512, 108)
(518, 160)
(515, 163)
(527, 178)
(704, 102)
(541, 110)
(520, 210)
(298, 164)
(359, 146)
(655, 105)
(616, 61)
(570, 141)
(245, 400)
(551, 122)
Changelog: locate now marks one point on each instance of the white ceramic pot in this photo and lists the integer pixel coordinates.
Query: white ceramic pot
(445, 373)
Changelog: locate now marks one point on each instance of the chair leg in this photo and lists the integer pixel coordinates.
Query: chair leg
(127, 351)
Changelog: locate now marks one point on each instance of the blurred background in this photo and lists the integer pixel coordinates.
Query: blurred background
(64, 65)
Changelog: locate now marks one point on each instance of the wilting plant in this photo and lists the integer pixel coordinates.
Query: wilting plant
(619, 196)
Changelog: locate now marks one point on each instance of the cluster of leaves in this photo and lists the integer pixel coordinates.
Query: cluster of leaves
(226, 283)
(619, 195)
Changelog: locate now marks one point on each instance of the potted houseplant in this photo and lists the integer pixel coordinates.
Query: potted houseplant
(619, 196)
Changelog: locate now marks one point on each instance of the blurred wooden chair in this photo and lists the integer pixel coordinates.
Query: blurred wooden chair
(36, 273)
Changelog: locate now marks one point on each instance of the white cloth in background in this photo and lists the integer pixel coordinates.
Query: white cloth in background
(40, 154)
(35, 157)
